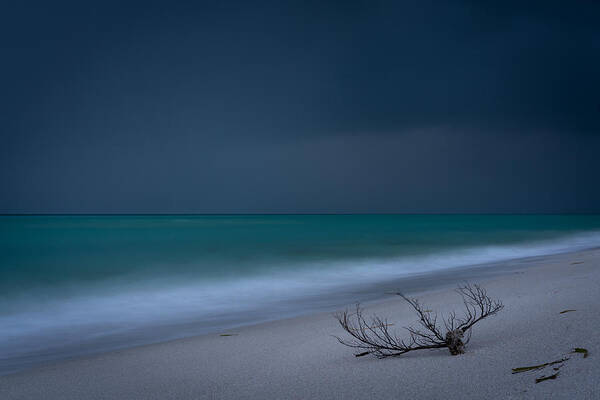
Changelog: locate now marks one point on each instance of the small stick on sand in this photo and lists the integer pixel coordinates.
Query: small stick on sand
(536, 367)
(545, 378)
(581, 350)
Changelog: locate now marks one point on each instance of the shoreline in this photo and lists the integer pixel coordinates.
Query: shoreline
(367, 293)
(297, 357)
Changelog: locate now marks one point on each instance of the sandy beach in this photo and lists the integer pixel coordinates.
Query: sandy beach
(299, 359)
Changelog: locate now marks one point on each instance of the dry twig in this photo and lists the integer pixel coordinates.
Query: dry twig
(373, 336)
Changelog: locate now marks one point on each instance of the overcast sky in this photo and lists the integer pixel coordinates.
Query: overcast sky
(251, 106)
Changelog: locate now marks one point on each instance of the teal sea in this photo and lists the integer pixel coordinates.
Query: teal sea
(73, 285)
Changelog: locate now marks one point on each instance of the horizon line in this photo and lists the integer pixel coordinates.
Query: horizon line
(296, 213)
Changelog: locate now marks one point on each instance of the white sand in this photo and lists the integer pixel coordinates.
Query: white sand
(298, 358)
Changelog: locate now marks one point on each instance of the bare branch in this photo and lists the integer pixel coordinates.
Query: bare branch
(374, 336)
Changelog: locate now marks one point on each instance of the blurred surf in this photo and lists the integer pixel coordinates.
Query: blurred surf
(81, 284)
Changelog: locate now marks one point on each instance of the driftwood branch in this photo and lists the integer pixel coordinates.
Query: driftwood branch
(372, 335)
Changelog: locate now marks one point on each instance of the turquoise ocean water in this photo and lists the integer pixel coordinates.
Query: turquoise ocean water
(73, 285)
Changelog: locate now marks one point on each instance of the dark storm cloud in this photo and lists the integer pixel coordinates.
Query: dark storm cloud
(300, 106)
